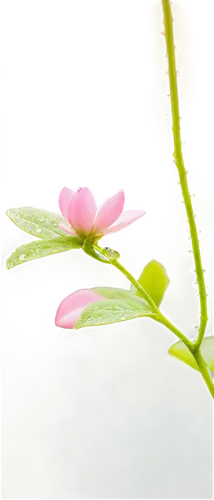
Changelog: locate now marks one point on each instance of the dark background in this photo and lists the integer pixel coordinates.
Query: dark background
(79, 116)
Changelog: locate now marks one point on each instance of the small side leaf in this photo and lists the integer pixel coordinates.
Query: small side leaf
(40, 223)
(41, 248)
(112, 311)
(180, 351)
(155, 281)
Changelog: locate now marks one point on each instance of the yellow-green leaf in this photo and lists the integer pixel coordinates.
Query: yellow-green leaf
(180, 351)
(154, 280)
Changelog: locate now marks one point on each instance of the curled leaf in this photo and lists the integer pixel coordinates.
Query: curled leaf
(181, 352)
(154, 280)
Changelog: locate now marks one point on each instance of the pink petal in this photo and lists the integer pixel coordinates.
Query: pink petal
(109, 211)
(70, 309)
(65, 198)
(68, 321)
(125, 220)
(67, 229)
(82, 211)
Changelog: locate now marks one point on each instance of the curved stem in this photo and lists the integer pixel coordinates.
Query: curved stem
(182, 174)
(158, 315)
(160, 318)
(204, 371)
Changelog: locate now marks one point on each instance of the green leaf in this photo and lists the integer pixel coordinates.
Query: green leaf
(77, 263)
(40, 223)
(113, 311)
(180, 351)
(154, 280)
(117, 294)
(42, 248)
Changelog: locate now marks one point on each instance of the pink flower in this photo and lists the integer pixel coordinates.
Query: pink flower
(80, 210)
(71, 308)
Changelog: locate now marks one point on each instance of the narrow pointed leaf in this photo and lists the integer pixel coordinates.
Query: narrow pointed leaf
(154, 280)
(42, 248)
(38, 222)
(112, 311)
(180, 351)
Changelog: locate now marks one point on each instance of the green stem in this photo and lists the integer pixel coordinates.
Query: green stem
(158, 315)
(204, 371)
(168, 28)
(161, 318)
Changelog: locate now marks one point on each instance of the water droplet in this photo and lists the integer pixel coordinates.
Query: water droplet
(195, 215)
(196, 282)
(207, 294)
(194, 270)
(178, 183)
(189, 251)
(204, 270)
(187, 171)
(195, 326)
(193, 195)
(168, 95)
(166, 72)
(180, 117)
(175, 48)
(178, 73)
(173, 19)
(22, 256)
(183, 142)
(199, 231)
(38, 230)
(111, 254)
(162, 32)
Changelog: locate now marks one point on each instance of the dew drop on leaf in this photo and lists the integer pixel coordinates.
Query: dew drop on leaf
(22, 256)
